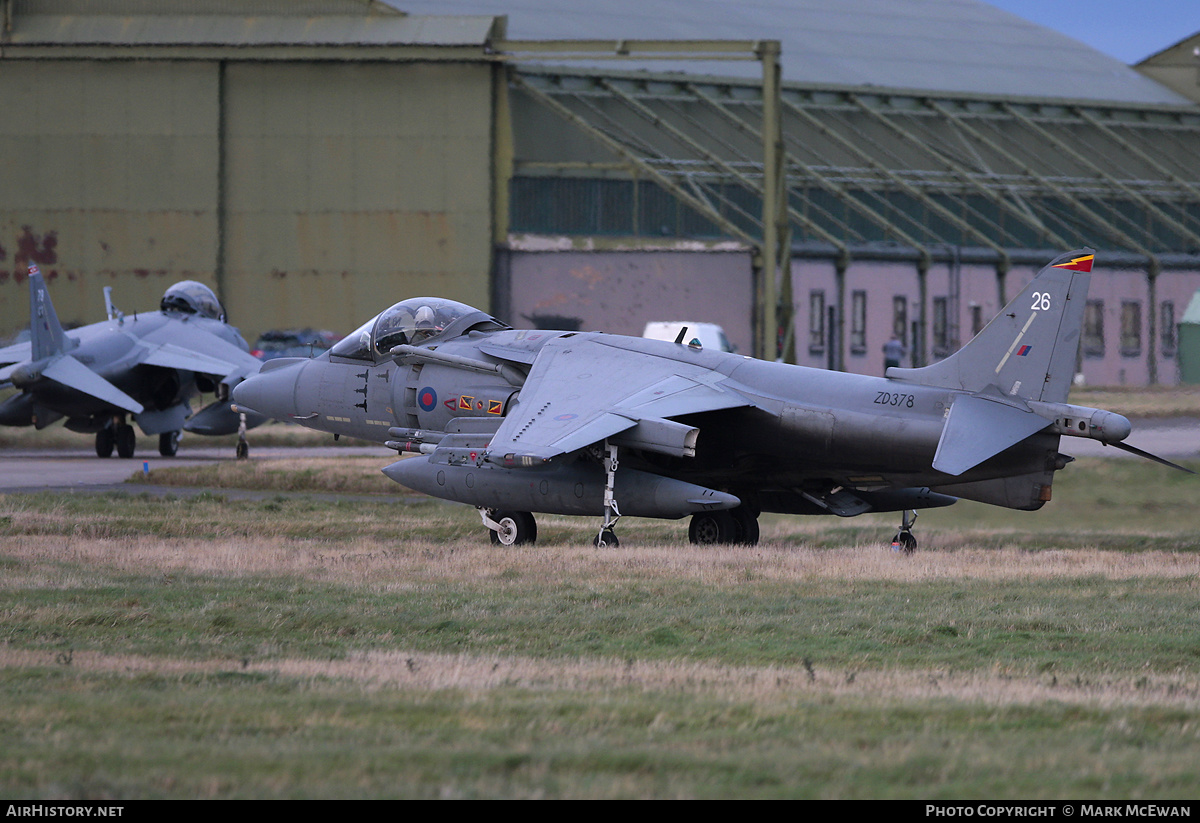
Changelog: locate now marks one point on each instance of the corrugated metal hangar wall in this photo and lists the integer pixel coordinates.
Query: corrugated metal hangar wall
(313, 171)
(318, 160)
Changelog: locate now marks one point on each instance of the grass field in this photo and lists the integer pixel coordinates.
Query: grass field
(210, 646)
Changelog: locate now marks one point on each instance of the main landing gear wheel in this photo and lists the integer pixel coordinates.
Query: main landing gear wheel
(747, 524)
(105, 441)
(713, 528)
(126, 440)
(732, 526)
(168, 444)
(516, 528)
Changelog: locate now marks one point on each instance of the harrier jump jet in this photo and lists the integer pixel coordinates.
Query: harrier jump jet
(518, 422)
(146, 367)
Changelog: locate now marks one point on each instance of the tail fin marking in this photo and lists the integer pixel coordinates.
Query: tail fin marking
(1028, 350)
(46, 335)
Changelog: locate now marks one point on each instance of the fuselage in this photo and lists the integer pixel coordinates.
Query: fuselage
(803, 429)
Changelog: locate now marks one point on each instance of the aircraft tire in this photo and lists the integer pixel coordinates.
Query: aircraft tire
(126, 441)
(243, 450)
(517, 528)
(609, 537)
(105, 441)
(168, 444)
(747, 523)
(713, 528)
(904, 542)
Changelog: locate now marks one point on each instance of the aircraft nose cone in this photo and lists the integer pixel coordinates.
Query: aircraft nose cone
(271, 392)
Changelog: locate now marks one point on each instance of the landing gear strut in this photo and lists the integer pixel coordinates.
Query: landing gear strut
(243, 446)
(904, 540)
(606, 537)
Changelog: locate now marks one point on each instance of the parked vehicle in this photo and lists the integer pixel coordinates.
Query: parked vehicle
(293, 343)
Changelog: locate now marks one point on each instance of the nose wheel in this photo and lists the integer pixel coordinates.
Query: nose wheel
(904, 540)
(508, 528)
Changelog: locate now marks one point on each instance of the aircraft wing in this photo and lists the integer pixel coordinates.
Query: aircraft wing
(195, 350)
(583, 389)
(16, 353)
(68, 371)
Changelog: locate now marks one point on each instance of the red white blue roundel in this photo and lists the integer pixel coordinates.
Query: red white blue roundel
(427, 398)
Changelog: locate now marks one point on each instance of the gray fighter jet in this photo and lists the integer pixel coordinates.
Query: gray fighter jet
(147, 367)
(516, 422)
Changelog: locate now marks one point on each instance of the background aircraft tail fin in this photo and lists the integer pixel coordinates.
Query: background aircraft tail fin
(1029, 348)
(46, 334)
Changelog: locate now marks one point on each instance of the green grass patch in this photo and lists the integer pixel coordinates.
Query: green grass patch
(293, 646)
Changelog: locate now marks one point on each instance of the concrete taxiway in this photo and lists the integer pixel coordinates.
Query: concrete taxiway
(28, 470)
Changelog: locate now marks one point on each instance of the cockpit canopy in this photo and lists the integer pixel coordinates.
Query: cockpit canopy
(190, 297)
(411, 322)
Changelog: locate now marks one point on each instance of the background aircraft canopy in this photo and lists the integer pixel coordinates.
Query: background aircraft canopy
(411, 321)
(190, 297)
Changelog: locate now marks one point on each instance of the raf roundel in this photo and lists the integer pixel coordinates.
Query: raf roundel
(427, 398)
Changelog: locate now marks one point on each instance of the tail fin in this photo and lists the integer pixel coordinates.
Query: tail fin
(1029, 349)
(46, 335)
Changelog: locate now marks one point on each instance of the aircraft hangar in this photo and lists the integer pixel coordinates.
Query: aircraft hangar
(318, 160)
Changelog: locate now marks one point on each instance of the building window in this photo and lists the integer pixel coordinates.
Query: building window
(1166, 326)
(900, 318)
(1093, 329)
(858, 322)
(1131, 328)
(816, 321)
(976, 319)
(941, 326)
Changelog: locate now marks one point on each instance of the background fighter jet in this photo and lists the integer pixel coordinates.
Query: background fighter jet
(516, 422)
(147, 367)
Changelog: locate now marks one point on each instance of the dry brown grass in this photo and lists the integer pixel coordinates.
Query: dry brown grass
(347, 474)
(479, 674)
(383, 567)
(369, 566)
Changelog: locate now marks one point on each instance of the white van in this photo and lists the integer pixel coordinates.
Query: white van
(710, 335)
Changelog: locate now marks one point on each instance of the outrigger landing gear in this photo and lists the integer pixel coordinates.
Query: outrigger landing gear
(606, 537)
(904, 540)
(243, 445)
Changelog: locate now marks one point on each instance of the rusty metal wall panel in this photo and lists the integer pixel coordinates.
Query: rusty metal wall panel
(107, 177)
(352, 186)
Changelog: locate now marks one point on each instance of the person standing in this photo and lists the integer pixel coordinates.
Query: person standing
(893, 352)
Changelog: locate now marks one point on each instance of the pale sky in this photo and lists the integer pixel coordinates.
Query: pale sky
(1129, 30)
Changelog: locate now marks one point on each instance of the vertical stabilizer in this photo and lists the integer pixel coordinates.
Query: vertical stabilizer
(1029, 349)
(46, 335)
